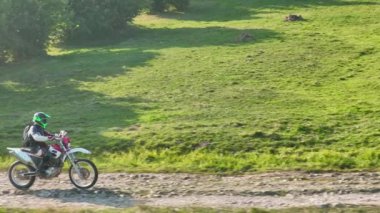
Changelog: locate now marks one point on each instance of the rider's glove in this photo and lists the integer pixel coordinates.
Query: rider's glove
(51, 137)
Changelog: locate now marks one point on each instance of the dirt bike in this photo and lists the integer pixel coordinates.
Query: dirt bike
(22, 173)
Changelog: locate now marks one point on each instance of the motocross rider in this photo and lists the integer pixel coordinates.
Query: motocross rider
(37, 136)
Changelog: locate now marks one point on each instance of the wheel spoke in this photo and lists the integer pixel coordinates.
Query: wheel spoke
(17, 175)
(84, 174)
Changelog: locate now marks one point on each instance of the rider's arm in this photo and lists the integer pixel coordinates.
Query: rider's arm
(37, 136)
(46, 133)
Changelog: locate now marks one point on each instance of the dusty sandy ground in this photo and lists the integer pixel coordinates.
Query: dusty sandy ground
(262, 190)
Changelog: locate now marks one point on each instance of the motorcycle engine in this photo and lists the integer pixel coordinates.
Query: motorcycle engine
(53, 167)
(52, 172)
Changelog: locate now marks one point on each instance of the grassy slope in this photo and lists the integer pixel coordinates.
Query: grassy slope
(183, 95)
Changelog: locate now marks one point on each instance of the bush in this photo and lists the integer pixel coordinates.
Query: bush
(93, 19)
(25, 27)
(162, 5)
(158, 6)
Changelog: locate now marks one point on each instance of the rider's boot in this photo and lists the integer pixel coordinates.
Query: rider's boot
(40, 167)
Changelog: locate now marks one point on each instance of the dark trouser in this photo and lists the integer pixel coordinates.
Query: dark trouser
(36, 146)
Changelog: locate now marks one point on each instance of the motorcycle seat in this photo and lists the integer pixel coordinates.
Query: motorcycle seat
(26, 150)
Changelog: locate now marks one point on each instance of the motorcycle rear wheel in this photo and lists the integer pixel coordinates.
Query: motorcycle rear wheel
(88, 171)
(16, 177)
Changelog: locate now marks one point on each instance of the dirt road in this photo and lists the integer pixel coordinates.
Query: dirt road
(266, 190)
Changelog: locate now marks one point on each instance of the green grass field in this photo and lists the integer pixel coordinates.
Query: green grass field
(182, 94)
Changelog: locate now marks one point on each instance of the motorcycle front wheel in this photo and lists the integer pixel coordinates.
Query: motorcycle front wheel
(17, 178)
(86, 175)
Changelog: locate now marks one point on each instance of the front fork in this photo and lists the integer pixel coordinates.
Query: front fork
(76, 167)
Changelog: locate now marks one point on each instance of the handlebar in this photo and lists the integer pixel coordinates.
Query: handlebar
(56, 137)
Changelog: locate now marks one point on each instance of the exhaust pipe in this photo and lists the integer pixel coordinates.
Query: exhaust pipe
(30, 174)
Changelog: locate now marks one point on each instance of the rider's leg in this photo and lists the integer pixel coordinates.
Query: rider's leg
(42, 150)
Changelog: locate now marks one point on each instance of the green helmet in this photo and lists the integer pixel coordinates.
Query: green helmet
(41, 118)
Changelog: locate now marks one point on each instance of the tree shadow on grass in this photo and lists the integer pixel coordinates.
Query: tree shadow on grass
(57, 85)
(229, 10)
(156, 39)
(53, 85)
(145, 39)
(197, 37)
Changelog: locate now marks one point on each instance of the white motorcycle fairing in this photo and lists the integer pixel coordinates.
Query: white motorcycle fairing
(22, 156)
(81, 150)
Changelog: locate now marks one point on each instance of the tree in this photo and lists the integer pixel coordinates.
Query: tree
(25, 27)
(92, 19)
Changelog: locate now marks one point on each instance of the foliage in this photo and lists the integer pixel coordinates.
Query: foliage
(92, 19)
(162, 5)
(25, 27)
(158, 5)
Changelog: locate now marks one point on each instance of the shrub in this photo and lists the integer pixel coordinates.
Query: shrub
(158, 6)
(93, 19)
(25, 27)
